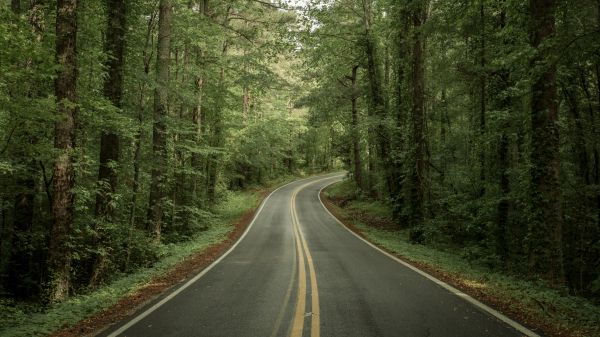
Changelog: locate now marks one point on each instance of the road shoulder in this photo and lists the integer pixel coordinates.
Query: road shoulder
(530, 305)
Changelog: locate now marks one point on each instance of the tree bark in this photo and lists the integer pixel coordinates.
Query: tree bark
(64, 142)
(503, 103)
(443, 131)
(545, 232)
(217, 123)
(113, 91)
(109, 140)
(355, 131)
(197, 113)
(159, 130)
(482, 98)
(398, 173)
(418, 118)
(377, 108)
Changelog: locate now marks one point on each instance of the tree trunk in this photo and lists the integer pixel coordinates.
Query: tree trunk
(545, 232)
(355, 131)
(482, 98)
(159, 129)
(113, 91)
(109, 141)
(377, 101)
(197, 113)
(502, 103)
(503, 205)
(138, 136)
(418, 119)
(443, 131)
(398, 173)
(64, 142)
(217, 123)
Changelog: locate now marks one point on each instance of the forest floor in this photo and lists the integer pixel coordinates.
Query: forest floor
(89, 314)
(547, 311)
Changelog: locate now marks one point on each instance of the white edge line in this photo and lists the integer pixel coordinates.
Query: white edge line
(444, 285)
(141, 316)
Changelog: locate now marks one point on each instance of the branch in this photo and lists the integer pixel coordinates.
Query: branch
(336, 36)
(269, 4)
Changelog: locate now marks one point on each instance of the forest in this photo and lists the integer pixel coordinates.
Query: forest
(124, 124)
(475, 120)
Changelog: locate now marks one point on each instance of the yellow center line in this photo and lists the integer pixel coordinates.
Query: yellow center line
(286, 299)
(298, 323)
(301, 245)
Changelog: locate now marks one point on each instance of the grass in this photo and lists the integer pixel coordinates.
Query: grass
(532, 301)
(20, 319)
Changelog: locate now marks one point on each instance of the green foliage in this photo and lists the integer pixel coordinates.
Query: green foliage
(231, 123)
(477, 174)
(21, 319)
(532, 297)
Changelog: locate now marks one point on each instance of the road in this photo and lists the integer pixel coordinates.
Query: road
(297, 272)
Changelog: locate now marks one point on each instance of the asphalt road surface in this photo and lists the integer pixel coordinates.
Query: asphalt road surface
(298, 272)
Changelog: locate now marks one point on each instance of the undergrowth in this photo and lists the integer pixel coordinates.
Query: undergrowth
(29, 319)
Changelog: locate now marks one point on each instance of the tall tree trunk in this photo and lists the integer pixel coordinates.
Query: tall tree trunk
(159, 130)
(482, 98)
(503, 103)
(64, 142)
(109, 140)
(418, 118)
(377, 101)
(443, 131)
(217, 123)
(355, 131)
(579, 234)
(398, 173)
(545, 232)
(113, 91)
(147, 56)
(197, 113)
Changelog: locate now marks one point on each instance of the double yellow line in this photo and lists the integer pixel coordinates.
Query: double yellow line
(302, 250)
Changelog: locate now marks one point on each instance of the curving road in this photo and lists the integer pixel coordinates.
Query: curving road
(297, 272)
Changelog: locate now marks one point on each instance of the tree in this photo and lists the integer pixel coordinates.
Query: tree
(64, 142)
(159, 130)
(419, 138)
(109, 140)
(545, 242)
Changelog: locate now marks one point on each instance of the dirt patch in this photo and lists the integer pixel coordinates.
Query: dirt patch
(515, 310)
(180, 273)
